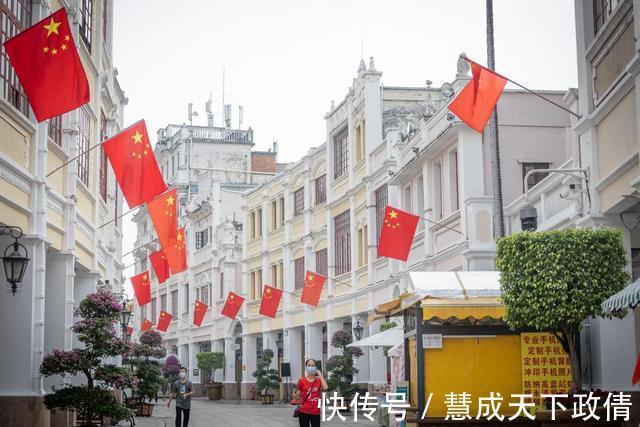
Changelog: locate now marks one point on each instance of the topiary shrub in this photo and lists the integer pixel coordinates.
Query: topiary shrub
(340, 367)
(266, 377)
(552, 281)
(210, 360)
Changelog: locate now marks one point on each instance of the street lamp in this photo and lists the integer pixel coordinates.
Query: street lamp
(528, 218)
(15, 263)
(280, 343)
(358, 329)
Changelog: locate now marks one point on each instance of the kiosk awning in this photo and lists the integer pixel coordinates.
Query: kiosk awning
(389, 338)
(629, 297)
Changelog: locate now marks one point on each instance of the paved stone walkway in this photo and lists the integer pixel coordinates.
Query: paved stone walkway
(227, 414)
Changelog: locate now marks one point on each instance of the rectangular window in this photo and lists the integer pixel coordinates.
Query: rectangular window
(298, 202)
(86, 21)
(204, 294)
(321, 262)
(202, 238)
(360, 143)
(274, 214)
(407, 202)
(363, 243)
(174, 302)
(252, 285)
(186, 298)
(437, 195)
(103, 158)
(55, 130)
(259, 222)
(534, 178)
(299, 271)
(221, 287)
(105, 19)
(601, 12)
(274, 276)
(340, 154)
(163, 302)
(342, 225)
(453, 180)
(252, 223)
(282, 210)
(153, 311)
(321, 189)
(15, 17)
(382, 198)
(259, 284)
(83, 146)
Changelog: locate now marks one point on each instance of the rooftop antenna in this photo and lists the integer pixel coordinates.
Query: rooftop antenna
(226, 108)
(192, 114)
(209, 108)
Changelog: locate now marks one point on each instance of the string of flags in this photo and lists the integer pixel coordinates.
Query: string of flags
(47, 63)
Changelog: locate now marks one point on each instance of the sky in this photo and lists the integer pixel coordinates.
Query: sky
(284, 61)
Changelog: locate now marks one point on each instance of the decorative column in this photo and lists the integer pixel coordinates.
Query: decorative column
(248, 363)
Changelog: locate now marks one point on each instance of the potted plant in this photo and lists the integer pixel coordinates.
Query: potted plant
(211, 361)
(267, 378)
(340, 367)
(552, 281)
(146, 370)
(94, 401)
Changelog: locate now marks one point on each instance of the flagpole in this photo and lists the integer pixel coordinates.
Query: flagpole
(73, 158)
(441, 225)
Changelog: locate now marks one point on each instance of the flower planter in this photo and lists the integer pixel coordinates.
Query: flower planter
(214, 391)
(144, 409)
(267, 399)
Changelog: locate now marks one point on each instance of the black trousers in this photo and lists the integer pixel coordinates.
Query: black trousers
(307, 420)
(182, 417)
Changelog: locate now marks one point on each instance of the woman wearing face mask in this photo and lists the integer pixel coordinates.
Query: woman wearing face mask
(310, 387)
(182, 390)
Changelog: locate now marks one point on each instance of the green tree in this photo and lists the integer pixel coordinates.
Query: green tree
(147, 370)
(266, 377)
(552, 281)
(340, 367)
(210, 360)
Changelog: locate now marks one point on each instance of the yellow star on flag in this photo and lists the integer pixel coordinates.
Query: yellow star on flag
(393, 214)
(63, 47)
(67, 38)
(145, 277)
(54, 51)
(170, 200)
(52, 27)
(45, 49)
(180, 237)
(137, 138)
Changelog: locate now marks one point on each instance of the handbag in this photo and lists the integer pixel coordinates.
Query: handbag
(296, 412)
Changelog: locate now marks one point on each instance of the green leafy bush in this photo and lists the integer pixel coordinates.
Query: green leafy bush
(210, 360)
(552, 281)
(266, 377)
(340, 367)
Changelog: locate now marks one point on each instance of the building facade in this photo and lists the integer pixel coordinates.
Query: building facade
(604, 148)
(69, 218)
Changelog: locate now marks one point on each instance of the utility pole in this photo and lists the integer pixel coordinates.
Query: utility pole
(496, 173)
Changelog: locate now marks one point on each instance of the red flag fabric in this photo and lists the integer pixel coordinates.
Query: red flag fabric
(312, 289)
(164, 320)
(164, 215)
(129, 330)
(398, 229)
(160, 265)
(176, 253)
(135, 165)
(146, 325)
(199, 310)
(141, 288)
(270, 300)
(478, 98)
(45, 59)
(636, 372)
(232, 305)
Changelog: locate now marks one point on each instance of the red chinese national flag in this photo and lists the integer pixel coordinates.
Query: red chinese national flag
(176, 253)
(141, 288)
(232, 305)
(636, 372)
(135, 165)
(478, 98)
(160, 265)
(46, 61)
(270, 300)
(146, 325)
(163, 321)
(199, 310)
(398, 228)
(164, 215)
(312, 289)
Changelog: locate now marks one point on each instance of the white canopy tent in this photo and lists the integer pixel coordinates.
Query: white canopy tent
(456, 284)
(389, 338)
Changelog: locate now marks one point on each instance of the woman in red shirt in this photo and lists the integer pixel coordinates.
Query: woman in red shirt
(310, 387)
